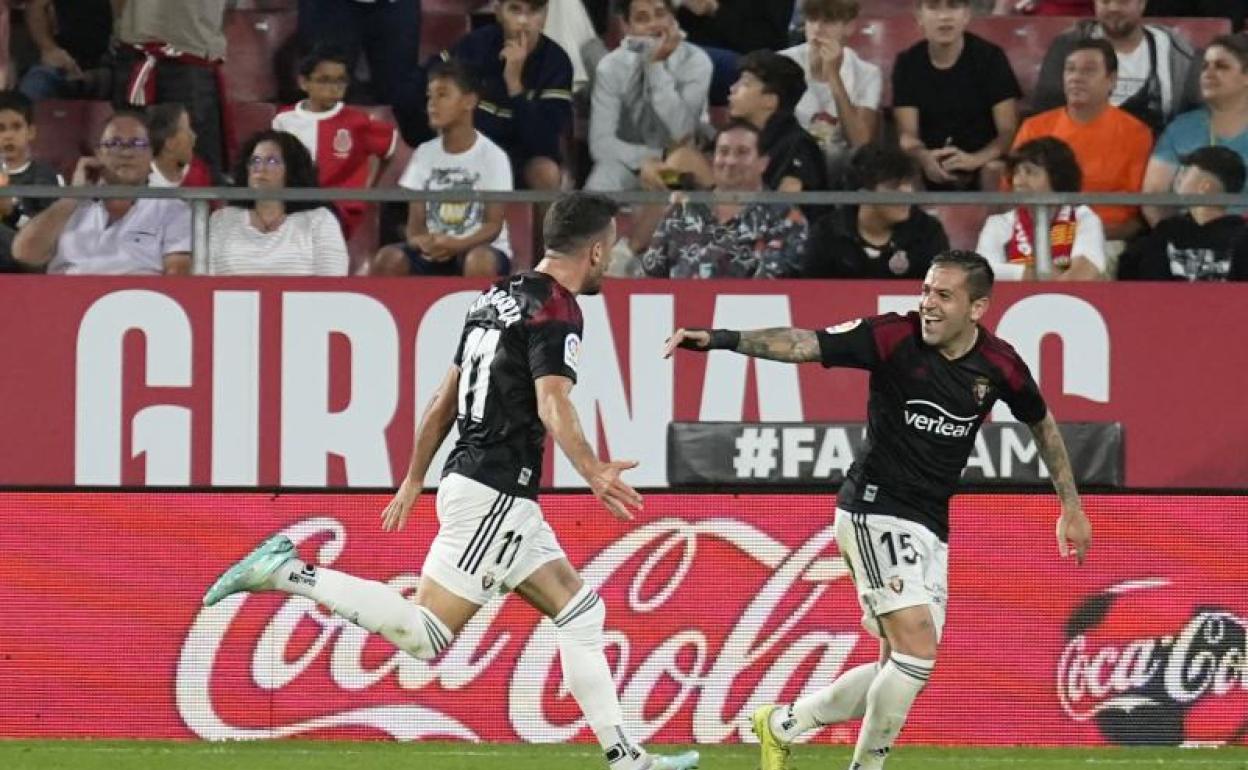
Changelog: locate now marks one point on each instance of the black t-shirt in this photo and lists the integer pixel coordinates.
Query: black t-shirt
(741, 25)
(791, 151)
(35, 173)
(524, 327)
(955, 105)
(923, 413)
(1179, 249)
(83, 28)
(836, 250)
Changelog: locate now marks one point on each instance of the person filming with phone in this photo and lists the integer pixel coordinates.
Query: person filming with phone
(112, 236)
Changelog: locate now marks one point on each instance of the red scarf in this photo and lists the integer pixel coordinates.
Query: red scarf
(1019, 249)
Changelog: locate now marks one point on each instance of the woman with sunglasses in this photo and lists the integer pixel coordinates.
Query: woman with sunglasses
(271, 236)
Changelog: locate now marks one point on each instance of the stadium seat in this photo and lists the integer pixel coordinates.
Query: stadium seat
(254, 42)
(1198, 31)
(439, 31)
(249, 117)
(98, 114)
(962, 223)
(62, 136)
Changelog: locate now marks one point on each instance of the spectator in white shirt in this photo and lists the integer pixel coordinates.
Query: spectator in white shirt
(1076, 236)
(467, 236)
(116, 236)
(274, 237)
(841, 107)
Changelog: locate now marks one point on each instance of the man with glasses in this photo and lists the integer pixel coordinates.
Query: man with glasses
(342, 140)
(111, 236)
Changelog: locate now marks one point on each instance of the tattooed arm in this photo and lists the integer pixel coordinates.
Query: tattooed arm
(797, 346)
(1074, 531)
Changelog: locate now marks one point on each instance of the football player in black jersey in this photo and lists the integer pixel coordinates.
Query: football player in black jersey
(935, 375)
(508, 386)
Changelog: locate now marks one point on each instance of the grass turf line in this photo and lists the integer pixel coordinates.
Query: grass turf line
(378, 755)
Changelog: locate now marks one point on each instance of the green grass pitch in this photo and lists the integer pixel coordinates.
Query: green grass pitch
(327, 755)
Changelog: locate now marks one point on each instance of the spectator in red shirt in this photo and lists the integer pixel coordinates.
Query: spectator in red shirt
(174, 163)
(342, 140)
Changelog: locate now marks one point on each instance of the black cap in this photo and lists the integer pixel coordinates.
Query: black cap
(1223, 163)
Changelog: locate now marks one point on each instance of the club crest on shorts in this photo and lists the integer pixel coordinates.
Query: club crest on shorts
(487, 581)
(980, 389)
(897, 584)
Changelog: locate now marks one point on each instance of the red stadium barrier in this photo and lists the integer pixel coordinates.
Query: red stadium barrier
(313, 382)
(716, 604)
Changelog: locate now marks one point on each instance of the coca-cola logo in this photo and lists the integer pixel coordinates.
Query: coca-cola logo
(756, 641)
(1141, 689)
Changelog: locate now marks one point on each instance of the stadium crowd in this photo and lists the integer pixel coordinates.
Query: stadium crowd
(658, 95)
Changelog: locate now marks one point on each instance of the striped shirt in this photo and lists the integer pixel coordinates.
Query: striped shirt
(307, 243)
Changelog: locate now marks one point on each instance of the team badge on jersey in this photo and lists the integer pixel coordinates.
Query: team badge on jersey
(342, 143)
(572, 351)
(844, 326)
(980, 389)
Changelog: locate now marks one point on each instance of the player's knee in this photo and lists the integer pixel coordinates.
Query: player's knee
(423, 635)
(583, 618)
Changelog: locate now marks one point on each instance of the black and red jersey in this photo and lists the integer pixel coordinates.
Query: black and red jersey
(923, 413)
(523, 327)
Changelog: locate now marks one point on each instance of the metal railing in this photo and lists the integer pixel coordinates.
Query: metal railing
(1041, 204)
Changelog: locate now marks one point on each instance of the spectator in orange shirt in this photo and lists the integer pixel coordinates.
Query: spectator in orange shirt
(1112, 147)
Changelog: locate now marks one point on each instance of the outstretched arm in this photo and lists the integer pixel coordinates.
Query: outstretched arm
(797, 346)
(435, 423)
(1074, 531)
(558, 414)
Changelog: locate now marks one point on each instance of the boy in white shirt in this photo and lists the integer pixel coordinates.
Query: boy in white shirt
(448, 238)
(841, 107)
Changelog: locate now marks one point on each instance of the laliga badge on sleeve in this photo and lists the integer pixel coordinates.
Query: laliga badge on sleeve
(572, 351)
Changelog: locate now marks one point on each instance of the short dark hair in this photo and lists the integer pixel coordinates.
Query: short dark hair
(1222, 163)
(162, 123)
(741, 124)
(463, 76)
(1098, 44)
(1236, 45)
(575, 219)
(830, 10)
(876, 163)
(625, 7)
(1055, 157)
(16, 101)
(300, 170)
(319, 55)
(779, 74)
(133, 113)
(979, 276)
(534, 4)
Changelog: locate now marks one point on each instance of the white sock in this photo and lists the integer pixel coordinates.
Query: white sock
(587, 675)
(843, 700)
(368, 604)
(889, 699)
